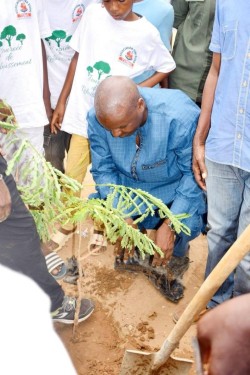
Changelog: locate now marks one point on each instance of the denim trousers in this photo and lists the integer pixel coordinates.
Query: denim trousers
(20, 245)
(228, 194)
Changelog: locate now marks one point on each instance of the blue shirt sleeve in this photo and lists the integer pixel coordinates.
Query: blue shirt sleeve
(103, 168)
(189, 197)
(215, 45)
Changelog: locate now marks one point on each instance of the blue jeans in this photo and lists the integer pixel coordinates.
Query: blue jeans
(228, 194)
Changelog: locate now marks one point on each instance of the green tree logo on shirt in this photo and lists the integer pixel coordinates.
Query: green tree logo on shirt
(20, 38)
(58, 36)
(9, 32)
(101, 67)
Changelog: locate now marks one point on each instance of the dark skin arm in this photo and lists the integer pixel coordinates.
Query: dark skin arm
(223, 335)
(59, 111)
(164, 83)
(199, 168)
(165, 240)
(46, 91)
(5, 201)
(5, 198)
(156, 78)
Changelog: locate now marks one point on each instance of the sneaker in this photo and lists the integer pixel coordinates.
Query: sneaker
(66, 313)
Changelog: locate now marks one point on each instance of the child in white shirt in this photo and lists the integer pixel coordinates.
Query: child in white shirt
(23, 75)
(64, 17)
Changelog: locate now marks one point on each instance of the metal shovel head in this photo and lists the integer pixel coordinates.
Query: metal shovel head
(140, 363)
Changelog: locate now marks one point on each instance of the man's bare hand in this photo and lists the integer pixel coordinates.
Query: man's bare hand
(5, 200)
(223, 335)
(164, 238)
(199, 167)
(57, 118)
(3, 131)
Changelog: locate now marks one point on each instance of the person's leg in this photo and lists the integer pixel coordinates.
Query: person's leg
(225, 193)
(55, 146)
(242, 274)
(78, 158)
(20, 246)
(196, 224)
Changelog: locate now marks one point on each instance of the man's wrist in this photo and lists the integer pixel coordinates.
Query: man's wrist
(169, 223)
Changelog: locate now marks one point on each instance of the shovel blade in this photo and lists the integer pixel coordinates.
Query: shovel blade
(140, 363)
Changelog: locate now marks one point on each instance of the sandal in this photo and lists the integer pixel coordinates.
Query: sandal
(97, 243)
(62, 236)
(53, 262)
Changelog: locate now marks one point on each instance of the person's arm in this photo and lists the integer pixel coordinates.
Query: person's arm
(199, 168)
(223, 336)
(188, 196)
(181, 9)
(164, 83)
(156, 78)
(161, 62)
(59, 111)
(5, 200)
(46, 90)
(164, 238)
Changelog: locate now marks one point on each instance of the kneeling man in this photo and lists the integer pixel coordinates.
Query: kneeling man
(142, 138)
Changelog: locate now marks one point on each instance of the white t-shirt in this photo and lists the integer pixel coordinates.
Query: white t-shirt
(22, 25)
(110, 47)
(64, 17)
(29, 344)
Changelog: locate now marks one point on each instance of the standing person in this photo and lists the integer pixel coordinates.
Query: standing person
(142, 138)
(194, 22)
(161, 14)
(64, 17)
(23, 73)
(111, 39)
(20, 250)
(24, 85)
(221, 158)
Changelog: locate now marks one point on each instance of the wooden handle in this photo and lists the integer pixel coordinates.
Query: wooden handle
(212, 283)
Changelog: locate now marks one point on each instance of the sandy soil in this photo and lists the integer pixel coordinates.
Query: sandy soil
(130, 313)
